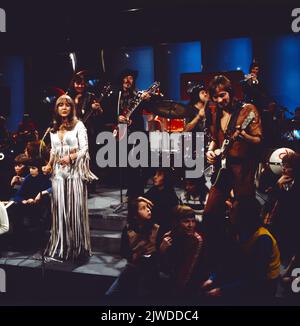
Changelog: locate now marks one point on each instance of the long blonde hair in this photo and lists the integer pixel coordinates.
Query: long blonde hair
(57, 119)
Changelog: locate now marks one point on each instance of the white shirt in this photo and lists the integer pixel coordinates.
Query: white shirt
(4, 223)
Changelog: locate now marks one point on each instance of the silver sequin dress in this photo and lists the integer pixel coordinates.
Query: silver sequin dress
(70, 233)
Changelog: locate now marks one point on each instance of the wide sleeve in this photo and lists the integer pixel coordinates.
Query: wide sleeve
(83, 157)
(52, 150)
(83, 147)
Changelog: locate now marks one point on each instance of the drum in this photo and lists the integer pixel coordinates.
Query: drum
(275, 160)
(172, 125)
(164, 142)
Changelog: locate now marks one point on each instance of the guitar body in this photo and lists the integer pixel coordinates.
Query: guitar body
(119, 133)
(221, 175)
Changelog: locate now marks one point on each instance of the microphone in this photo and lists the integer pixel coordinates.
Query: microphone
(44, 136)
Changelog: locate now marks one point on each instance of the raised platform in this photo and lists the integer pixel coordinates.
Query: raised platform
(29, 280)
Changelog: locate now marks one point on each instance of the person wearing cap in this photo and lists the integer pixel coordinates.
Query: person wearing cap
(128, 91)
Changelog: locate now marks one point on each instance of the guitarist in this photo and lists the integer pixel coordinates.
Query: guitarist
(128, 91)
(241, 156)
(84, 102)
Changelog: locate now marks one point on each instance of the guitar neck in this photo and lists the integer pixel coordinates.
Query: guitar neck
(131, 109)
(228, 141)
(90, 112)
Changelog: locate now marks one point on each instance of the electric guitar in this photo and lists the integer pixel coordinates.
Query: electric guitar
(220, 166)
(106, 91)
(119, 133)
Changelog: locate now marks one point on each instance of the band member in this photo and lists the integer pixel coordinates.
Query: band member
(69, 163)
(242, 156)
(198, 98)
(86, 101)
(128, 92)
(253, 88)
(199, 117)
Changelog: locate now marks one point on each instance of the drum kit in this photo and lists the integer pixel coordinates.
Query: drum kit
(169, 117)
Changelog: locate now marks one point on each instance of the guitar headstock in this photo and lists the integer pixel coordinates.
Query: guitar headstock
(154, 87)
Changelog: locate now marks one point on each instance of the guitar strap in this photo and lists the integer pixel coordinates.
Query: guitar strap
(233, 119)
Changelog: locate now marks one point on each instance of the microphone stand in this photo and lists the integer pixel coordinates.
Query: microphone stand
(122, 206)
(42, 140)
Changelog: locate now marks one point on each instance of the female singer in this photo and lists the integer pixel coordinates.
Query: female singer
(69, 164)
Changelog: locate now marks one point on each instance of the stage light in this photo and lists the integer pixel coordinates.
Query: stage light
(93, 82)
(133, 10)
(73, 60)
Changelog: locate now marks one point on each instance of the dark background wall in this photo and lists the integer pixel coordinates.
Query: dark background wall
(162, 39)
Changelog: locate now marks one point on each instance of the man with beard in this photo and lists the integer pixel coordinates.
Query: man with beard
(241, 156)
(127, 94)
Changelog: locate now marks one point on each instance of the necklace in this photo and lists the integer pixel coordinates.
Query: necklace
(226, 123)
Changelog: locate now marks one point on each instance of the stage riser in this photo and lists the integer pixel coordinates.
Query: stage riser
(109, 223)
(29, 285)
(106, 241)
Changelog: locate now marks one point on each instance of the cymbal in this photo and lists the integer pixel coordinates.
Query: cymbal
(169, 109)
